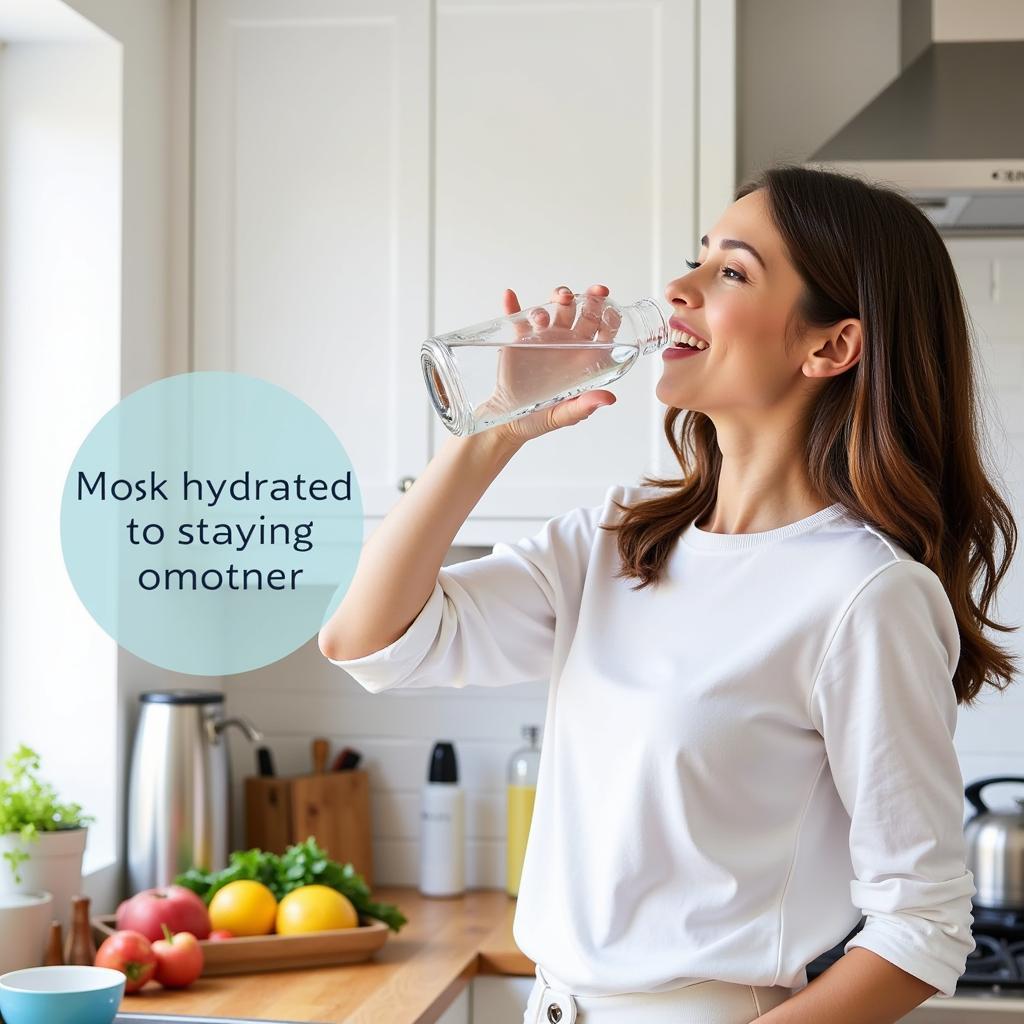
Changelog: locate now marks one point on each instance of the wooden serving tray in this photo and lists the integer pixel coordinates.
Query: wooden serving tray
(253, 953)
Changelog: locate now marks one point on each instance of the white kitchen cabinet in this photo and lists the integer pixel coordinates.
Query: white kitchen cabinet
(311, 243)
(566, 153)
(460, 1010)
(370, 172)
(499, 998)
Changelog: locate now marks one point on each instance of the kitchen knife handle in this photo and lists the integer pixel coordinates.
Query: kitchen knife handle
(264, 762)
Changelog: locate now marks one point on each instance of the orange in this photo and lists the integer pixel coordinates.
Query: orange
(315, 908)
(243, 908)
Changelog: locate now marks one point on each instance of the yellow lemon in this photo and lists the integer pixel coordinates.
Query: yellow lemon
(315, 908)
(243, 908)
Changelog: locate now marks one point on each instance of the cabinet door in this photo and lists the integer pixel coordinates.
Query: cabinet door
(500, 998)
(565, 154)
(312, 214)
(460, 1011)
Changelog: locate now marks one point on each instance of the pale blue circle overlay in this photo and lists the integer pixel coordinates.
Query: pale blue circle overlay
(261, 517)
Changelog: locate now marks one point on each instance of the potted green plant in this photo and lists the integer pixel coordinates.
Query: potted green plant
(42, 839)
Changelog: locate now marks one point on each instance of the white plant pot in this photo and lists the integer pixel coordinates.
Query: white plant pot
(54, 865)
(24, 928)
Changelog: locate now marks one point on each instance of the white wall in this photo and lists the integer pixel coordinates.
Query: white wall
(60, 340)
(990, 738)
(156, 136)
(156, 140)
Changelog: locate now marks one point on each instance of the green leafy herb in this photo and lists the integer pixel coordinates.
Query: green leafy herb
(302, 864)
(29, 806)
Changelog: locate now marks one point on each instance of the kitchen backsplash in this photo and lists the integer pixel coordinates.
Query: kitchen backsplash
(305, 696)
(990, 737)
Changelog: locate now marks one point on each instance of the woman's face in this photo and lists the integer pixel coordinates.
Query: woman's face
(740, 300)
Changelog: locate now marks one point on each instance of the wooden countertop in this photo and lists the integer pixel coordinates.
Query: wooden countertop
(417, 974)
(412, 979)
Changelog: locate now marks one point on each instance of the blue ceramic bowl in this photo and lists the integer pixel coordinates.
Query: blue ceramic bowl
(61, 995)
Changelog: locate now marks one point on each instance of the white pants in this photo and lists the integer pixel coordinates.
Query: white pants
(706, 1002)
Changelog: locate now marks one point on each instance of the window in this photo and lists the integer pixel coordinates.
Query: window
(60, 341)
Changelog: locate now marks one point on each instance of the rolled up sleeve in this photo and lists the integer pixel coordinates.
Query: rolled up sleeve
(885, 705)
(489, 621)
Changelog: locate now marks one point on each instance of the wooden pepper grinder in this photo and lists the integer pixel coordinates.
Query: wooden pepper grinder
(81, 948)
(55, 947)
(320, 751)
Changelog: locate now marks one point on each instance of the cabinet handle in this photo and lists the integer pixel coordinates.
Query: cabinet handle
(405, 483)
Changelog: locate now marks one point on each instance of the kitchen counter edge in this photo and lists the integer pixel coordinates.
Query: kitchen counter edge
(415, 977)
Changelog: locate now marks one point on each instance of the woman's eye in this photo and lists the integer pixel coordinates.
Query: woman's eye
(693, 265)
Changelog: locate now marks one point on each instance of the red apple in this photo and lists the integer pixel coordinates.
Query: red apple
(179, 959)
(175, 906)
(220, 934)
(131, 954)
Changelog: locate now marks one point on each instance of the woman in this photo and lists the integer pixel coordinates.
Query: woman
(756, 667)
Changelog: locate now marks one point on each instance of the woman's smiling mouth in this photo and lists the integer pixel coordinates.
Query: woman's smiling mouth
(683, 342)
(682, 334)
(681, 351)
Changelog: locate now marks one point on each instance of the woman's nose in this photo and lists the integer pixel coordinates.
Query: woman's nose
(684, 290)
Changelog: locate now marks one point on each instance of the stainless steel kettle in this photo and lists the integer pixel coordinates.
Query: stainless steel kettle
(995, 849)
(179, 792)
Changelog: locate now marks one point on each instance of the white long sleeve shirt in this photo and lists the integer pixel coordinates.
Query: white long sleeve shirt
(738, 762)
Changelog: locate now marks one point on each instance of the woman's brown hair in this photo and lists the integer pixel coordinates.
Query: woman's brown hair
(895, 439)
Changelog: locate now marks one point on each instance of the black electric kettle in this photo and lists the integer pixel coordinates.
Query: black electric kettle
(995, 848)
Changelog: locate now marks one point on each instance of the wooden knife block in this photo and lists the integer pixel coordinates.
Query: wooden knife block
(333, 807)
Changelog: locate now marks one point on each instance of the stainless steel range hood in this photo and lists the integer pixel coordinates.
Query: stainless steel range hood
(949, 131)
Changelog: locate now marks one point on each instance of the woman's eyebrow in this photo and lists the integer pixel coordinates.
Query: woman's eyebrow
(735, 243)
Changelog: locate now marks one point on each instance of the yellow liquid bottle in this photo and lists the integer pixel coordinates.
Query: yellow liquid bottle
(521, 790)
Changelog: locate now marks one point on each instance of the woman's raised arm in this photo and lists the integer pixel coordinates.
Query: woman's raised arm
(399, 563)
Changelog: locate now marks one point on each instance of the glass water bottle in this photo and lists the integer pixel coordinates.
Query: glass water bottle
(493, 372)
(521, 790)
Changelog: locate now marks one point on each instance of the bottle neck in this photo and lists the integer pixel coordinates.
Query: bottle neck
(653, 331)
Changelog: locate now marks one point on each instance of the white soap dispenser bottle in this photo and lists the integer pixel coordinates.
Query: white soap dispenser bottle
(443, 826)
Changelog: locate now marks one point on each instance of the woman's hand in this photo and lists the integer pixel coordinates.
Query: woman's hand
(518, 370)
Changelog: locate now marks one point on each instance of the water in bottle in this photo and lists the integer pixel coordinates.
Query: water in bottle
(488, 374)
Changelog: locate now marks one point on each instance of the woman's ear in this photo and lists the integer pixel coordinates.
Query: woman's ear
(837, 350)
